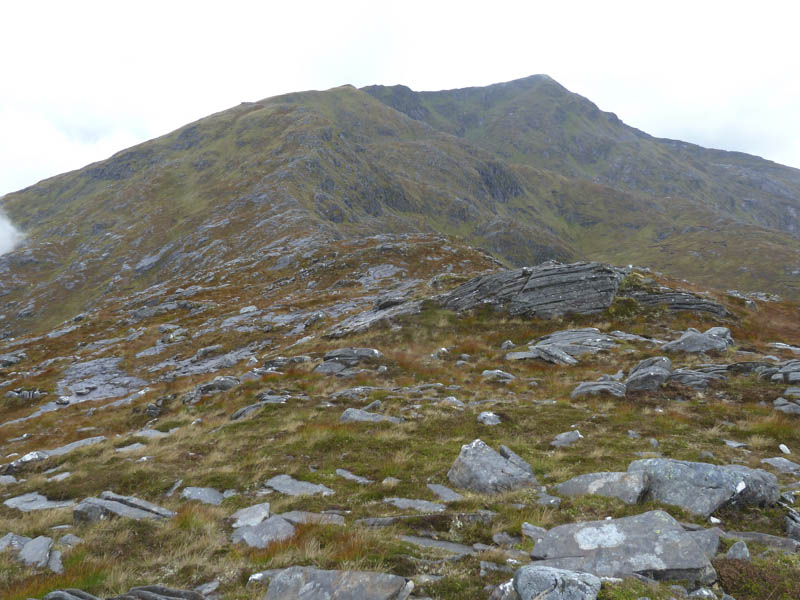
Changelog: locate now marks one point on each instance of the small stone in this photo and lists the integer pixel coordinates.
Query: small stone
(418, 505)
(533, 532)
(203, 495)
(567, 438)
(738, 551)
(784, 448)
(445, 493)
(390, 482)
(352, 477)
(488, 418)
(273, 529)
(252, 515)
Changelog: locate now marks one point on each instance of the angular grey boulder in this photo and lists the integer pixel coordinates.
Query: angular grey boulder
(36, 552)
(652, 544)
(628, 487)
(357, 415)
(481, 469)
(702, 488)
(309, 583)
(649, 375)
(205, 495)
(716, 339)
(285, 484)
(252, 515)
(536, 582)
(110, 504)
(273, 529)
(594, 388)
(562, 440)
(545, 290)
(35, 501)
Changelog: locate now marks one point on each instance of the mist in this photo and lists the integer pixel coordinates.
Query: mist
(10, 236)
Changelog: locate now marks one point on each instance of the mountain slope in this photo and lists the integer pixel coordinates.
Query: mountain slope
(310, 167)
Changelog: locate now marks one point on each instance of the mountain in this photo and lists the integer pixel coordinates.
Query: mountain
(526, 170)
(280, 353)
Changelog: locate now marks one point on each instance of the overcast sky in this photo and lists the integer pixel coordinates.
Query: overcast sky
(81, 80)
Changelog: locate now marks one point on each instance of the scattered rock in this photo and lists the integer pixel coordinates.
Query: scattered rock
(497, 376)
(354, 415)
(488, 418)
(272, 529)
(110, 504)
(628, 487)
(204, 495)
(702, 488)
(649, 375)
(481, 469)
(782, 465)
(352, 477)
(716, 339)
(252, 515)
(651, 544)
(301, 582)
(593, 388)
(290, 486)
(35, 501)
(301, 517)
(418, 505)
(534, 582)
(445, 493)
(738, 551)
(562, 440)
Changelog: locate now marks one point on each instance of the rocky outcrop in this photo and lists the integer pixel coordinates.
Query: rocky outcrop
(337, 362)
(652, 544)
(147, 592)
(545, 290)
(702, 488)
(677, 301)
(481, 469)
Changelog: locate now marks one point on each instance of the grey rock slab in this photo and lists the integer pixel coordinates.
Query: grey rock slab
(252, 515)
(350, 357)
(138, 503)
(419, 505)
(7, 479)
(738, 551)
(787, 406)
(70, 540)
(344, 473)
(497, 375)
(488, 418)
(36, 552)
(54, 562)
(290, 486)
(716, 339)
(205, 495)
(765, 539)
(13, 541)
(451, 547)
(535, 582)
(782, 464)
(130, 447)
(301, 517)
(545, 290)
(707, 539)
(309, 583)
(652, 544)
(628, 487)
(594, 388)
(562, 440)
(353, 415)
(481, 469)
(273, 529)
(445, 493)
(702, 488)
(649, 375)
(696, 380)
(533, 532)
(35, 501)
(371, 318)
(67, 448)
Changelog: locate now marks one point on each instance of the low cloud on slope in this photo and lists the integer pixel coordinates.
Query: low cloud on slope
(10, 236)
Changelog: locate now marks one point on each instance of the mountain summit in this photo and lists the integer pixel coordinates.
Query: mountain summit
(525, 169)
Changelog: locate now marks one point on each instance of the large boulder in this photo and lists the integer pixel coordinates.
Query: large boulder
(628, 487)
(716, 339)
(481, 469)
(536, 582)
(652, 544)
(309, 583)
(702, 488)
(545, 290)
(649, 374)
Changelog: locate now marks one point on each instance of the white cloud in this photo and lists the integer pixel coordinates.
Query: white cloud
(94, 77)
(10, 236)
